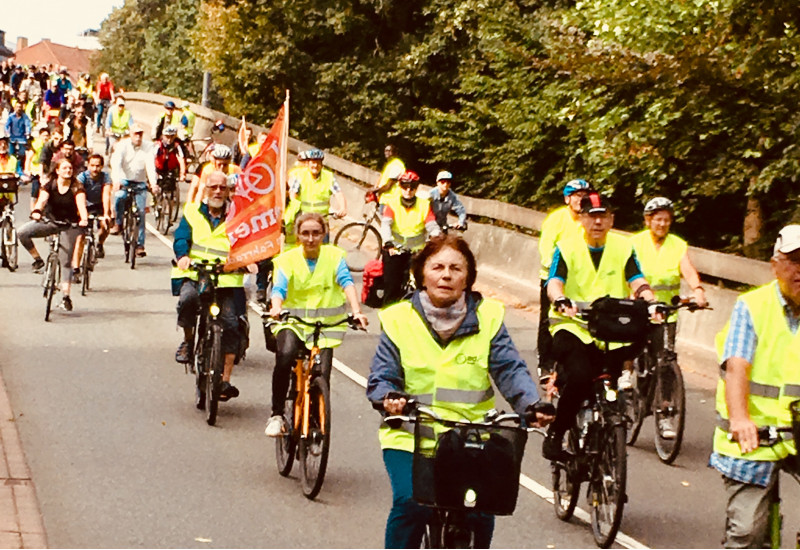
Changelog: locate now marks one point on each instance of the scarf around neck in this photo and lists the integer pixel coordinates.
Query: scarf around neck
(445, 321)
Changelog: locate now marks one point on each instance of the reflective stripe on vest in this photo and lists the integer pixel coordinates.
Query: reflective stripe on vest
(557, 226)
(120, 124)
(774, 374)
(314, 296)
(453, 379)
(315, 193)
(408, 228)
(725, 425)
(661, 267)
(585, 283)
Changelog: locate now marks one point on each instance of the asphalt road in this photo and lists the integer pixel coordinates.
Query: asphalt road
(121, 457)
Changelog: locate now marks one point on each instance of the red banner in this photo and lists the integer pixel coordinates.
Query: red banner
(254, 217)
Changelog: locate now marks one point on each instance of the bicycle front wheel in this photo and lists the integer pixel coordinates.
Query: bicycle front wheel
(635, 401)
(175, 205)
(86, 266)
(566, 484)
(286, 444)
(361, 243)
(669, 406)
(52, 275)
(607, 486)
(134, 236)
(10, 245)
(315, 446)
(127, 230)
(214, 365)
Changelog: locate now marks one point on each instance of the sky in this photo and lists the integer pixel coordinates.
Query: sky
(58, 20)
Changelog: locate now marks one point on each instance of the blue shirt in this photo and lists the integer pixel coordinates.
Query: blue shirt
(182, 242)
(280, 283)
(18, 128)
(94, 188)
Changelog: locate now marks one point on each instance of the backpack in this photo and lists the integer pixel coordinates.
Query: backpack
(373, 289)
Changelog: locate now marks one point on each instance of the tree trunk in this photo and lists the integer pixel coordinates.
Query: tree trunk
(753, 223)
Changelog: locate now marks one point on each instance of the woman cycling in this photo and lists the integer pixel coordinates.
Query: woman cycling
(311, 281)
(65, 200)
(418, 354)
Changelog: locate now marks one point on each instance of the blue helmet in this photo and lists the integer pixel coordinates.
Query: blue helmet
(576, 185)
(315, 154)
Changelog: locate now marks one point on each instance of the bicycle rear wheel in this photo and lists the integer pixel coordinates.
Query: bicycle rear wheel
(566, 484)
(286, 445)
(635, 400)
(166, 212)
(10, 245)
(127, 230)
(361, 243)
(607, 486)
(214, 366)
(52, 275)
(158, 213)
(669, 407)
(315, 447)
(86, 266)
(199, 367)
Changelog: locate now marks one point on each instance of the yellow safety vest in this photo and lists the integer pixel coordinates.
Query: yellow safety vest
(774, 375)
(394, 166)
(207, 244)
(190, 120)
(557, 226)
(36, 163)
(454, 379)
(120, 124)
(314, 296)
(408, 228)
(662, 266)
(315, 193)
(586, 284)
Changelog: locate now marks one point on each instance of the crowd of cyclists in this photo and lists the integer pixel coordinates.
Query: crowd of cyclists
(431, 314)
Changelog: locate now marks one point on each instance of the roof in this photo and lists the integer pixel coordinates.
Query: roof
(5, 52)
(76, 60)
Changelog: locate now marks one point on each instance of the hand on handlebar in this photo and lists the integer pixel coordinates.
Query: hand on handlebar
(657, 311)
(540, 414)
(184, 263)
(745, 432)
(274, 312)
(565, 306)
(361, 319)
(394, 403)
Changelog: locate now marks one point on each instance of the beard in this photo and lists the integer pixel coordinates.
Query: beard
(215, 203)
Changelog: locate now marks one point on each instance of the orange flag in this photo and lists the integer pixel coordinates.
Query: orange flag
(254, 217)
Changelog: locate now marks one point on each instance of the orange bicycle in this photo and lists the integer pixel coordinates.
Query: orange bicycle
(307, 415)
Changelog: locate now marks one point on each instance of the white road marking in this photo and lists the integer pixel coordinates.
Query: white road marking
(528, 483)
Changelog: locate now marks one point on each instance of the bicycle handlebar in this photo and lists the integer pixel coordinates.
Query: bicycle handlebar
(286, 316)
(418, 412)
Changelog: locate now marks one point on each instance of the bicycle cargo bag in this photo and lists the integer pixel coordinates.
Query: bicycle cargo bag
(619, 320)
(373, 287)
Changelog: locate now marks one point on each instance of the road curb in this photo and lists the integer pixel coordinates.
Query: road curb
(21, 524)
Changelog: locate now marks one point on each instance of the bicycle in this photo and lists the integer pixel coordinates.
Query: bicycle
(9, 183)
(596, 445)
(474, 467)
(89, 257)
(657, 389)
(361, 240)
(166, 203)
(307, 415)
(52, 266)
(130, 224)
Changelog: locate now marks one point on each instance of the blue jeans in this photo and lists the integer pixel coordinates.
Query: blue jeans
(102, 107)
(139, 189)
(407, 519)
(17, 149)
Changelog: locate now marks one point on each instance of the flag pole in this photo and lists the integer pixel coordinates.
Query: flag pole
(284, 154)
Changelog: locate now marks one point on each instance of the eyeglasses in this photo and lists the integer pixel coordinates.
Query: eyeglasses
(407, 185)
(311, 233)
(216, 187)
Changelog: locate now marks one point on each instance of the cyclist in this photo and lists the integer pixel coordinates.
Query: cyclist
(201, 235)
(97, 185)
(170, 117)
(103, 96)
(49, 150)
(221, 158)
(169, 159)
(312, 188)
(33, 162)
(313, 282)
(65, 200)
(67, 151)
(416, 355)
(118, 124)
(405, 223)
(8, 165)
(759, 353)
(444, 201)
(187, 122)
(663, 258)
(78, 129)
(584, 268)
(392, 170)
(18, 131)
(561, 223)
(133, 162)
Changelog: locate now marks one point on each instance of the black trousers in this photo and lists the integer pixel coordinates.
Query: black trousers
(544, 341)
(395, 274)
(289, 347)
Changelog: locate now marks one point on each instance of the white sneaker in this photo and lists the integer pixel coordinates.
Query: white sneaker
(665, 429)
(625, 381)
(275, 427)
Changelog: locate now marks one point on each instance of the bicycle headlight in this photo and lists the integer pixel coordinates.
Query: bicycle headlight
(611, 395)
(470, 498)
(214, 309)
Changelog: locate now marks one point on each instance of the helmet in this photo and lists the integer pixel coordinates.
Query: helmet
(659, 203)
(302, 156)
(170, 131)
(169, 104)
(576, 185)
(409, 177)
(314, 154)
(595, 203)
(222, 152)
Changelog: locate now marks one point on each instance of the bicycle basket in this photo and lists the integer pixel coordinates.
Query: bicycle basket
(9, 184)
(470, 469)
(619, 320)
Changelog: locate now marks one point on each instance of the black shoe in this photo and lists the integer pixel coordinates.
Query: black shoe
(140, 253)
(101, 253)
(66, 304)
(184, 353)
(552, 448)
(38, 265)
(76, 278)
(228, 391)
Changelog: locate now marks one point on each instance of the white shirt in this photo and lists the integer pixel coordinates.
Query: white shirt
(133, 163)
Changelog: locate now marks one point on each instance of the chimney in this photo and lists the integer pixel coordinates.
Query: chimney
(2, 38)
(22, 43)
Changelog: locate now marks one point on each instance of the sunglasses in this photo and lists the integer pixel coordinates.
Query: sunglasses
(408, 184)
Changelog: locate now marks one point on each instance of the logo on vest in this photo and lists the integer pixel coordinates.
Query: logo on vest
(469, 359)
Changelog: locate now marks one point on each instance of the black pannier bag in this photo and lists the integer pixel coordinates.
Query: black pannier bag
(618, 320)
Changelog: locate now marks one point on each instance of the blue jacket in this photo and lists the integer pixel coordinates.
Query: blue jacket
(506, 367)
(18, 128)
(182, 240)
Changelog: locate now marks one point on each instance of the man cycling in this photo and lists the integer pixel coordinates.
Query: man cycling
(133, 162)
(8, 165)
(392, 170)
(78, 129)
(444, 201)
(312, 188)
(33, 162)
(18, 130)
(118, 124)
(201, 235)
(221, 158)
(170, 117)
(406, 222)
(103, 96)
(583, 269)
(559, 224)
(97, 185)
(759, 353)
(170, 163)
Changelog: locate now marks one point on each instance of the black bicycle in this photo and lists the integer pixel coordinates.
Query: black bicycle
(474, 467)
(596, 445)
(130, 224)
(89, 256)
(657, 389)
(166, 203)
(361, 241)
(9, 183)
(51, 276)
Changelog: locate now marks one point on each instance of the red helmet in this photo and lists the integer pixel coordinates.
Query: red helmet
(408, 177)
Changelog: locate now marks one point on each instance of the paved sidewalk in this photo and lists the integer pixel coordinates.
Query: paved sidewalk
(21, 524)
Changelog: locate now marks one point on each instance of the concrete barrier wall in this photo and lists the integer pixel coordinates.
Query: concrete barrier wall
(507, 259)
